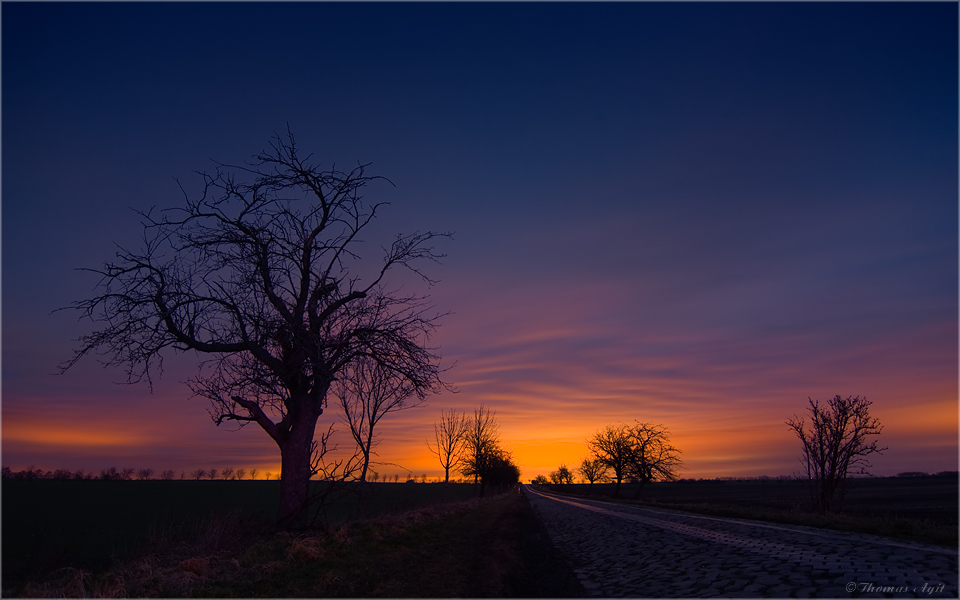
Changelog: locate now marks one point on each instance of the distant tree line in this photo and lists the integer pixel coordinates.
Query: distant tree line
(130, 474)
(225, 474)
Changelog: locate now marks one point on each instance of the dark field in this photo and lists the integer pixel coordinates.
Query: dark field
(450, 547)
(918, 508)
(488, 547)
(51, 524)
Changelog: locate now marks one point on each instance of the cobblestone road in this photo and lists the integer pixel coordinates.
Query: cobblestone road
(619, 550)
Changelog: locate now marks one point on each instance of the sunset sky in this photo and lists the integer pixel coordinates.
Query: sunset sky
(698, 215)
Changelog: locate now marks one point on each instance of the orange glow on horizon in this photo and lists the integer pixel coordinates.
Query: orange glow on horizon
(70, 437)
(549, 395)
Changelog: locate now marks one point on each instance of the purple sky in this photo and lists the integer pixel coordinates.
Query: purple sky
(692, 214)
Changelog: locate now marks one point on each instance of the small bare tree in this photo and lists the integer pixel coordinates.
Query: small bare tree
(835, 446)
(241, 473)
(449, 436)
(613, 447)
(254, 473)
(366, 392)
(167, 475)
(227, 473)
(593, 470)
(562, 476)
(482, 442)
(144, 474)
(653, 457)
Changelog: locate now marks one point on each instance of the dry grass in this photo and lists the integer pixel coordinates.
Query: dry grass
(77, 583)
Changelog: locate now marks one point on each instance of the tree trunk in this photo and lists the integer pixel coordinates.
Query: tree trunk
(295, 473)
(365, 448)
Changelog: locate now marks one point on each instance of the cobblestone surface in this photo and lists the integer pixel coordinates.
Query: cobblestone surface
(619, 550)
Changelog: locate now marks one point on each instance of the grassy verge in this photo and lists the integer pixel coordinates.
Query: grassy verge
(49, 525)
(478, 548)
(929, 531)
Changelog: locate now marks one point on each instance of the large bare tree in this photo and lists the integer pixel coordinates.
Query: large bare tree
(261, 275)
(835, 446)
(449, 436)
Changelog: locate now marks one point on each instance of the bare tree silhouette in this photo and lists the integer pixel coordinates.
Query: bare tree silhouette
(449, 435)
(613, 447)
(835, 446)
(484, 457)
(261, 275)
(653, 457)
(642, 453)
(482, 441)
(562, 476)
(593, 470)
(366, 392)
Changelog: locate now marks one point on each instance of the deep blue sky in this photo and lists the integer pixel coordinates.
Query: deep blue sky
(696, 214)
